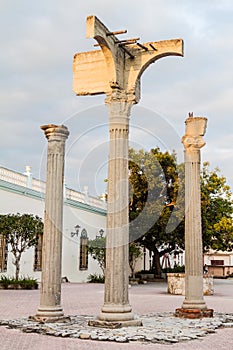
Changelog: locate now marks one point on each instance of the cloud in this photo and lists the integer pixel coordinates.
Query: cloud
(39, 41)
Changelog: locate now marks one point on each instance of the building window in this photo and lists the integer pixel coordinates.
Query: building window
(3, 253)
(83, 261)
(217, 262)
(38, 254)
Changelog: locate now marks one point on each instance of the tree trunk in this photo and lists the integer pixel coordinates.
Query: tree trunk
(17, 268)
(156, 264)
(131, 265)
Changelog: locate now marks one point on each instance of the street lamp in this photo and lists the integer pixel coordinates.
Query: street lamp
(100, 234)
(77, 227)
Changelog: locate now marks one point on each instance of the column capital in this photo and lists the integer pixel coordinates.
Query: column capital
(119, 104)
(120, 96)
(195, 130)
(58, 131)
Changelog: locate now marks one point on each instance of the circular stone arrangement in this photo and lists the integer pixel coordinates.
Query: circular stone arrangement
(157, 328)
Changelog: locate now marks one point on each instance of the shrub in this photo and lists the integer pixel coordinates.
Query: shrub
(94, 278)
(28, 283)
(23, 282)
(5, 281)
(175, 269)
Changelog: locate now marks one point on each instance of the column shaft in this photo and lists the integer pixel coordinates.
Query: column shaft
(193, 232)
(194, 305)
(116, 303)
(117, 221)
(50, 296)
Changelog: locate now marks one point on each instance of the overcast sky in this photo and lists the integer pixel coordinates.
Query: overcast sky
(38, 42)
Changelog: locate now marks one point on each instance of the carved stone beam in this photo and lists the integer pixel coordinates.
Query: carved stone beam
(144, 56)
(114, 66)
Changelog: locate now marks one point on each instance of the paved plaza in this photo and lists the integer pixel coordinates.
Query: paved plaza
(87, 299)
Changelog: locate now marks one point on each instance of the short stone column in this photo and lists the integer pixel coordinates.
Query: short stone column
(194, 305)
(50, 297)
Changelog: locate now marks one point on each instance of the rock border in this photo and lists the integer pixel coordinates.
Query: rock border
(157, 328)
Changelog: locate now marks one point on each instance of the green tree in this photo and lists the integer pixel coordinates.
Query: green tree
(156, 209)
(135, 252)
(21, 232)
(156, 204)
(217, 210)
(96, 248)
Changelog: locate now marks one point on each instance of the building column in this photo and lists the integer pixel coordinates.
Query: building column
(50, 295)
(194, 305)
(116, 306)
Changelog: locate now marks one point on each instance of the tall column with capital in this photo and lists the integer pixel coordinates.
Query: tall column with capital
(50, 297)
(116, 303)
(194, 305)
(115, 70)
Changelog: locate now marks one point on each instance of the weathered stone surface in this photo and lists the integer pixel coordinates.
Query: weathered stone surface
(100, 71)
(157, 328)
(84, 336)
(176, 284)
(193, 141)
(194, 313)
(116, 71)
(50, 295)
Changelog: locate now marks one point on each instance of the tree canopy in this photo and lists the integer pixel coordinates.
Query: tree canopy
(22, 232)
(97, 249)
(217, 210)
(156, 208)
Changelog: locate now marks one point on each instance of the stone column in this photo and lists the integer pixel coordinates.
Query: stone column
(50, 297)
(194, 305)
(116, 306)
(116, 70)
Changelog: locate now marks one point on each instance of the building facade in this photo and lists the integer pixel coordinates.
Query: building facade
(84, 217)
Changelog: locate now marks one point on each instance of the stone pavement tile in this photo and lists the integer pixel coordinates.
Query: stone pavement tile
(87, 299)
(156, 328)
(13, 339)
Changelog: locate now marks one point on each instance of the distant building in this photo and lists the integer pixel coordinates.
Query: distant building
(219, 264)
(84, 216)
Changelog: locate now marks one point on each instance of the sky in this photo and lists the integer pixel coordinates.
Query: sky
(38, 42)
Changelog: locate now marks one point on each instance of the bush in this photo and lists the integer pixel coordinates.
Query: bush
(5, 281)
(28, 283)
(146, 271)
(94, 278)
(23, 283)
(175, 269)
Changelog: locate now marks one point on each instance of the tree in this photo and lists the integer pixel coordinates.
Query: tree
(96, 248)
(135, 252)
(217, 210)
(156, 209)
(21, 232)
(156, 206)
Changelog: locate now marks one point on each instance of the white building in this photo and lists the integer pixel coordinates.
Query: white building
(83, 217)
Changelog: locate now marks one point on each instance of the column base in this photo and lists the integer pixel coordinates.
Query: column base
(199, 304)
(193, 313)
(49, 315)
(115, 316)
(115, 324)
